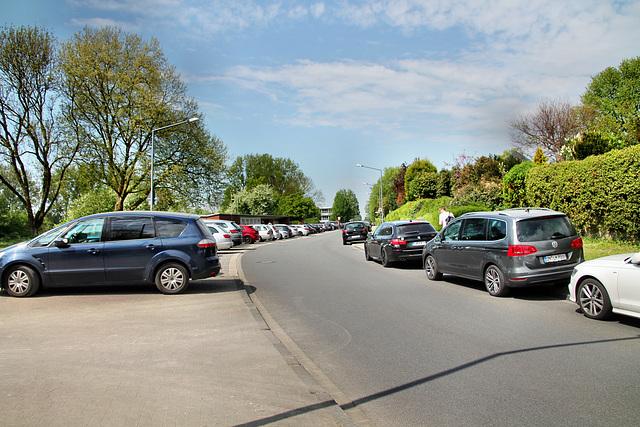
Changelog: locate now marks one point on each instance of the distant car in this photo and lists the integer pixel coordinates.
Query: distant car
(607, 285)
(223, 239)
(508, 248)
(164, 248)
(230, 227)
(276, 233)
(264, 231)
(249, 234)
(355, 231)
(398, 241)
(284, 230)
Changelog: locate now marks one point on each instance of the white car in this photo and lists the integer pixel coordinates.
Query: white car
(276, 233)
(223, 239)
(607, 285)
(264, 231)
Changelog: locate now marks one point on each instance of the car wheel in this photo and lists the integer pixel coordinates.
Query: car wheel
(494, 282)
(366, 253)
(384, 259)
(172, 278)
(594, 300)
(431, 268)
(247, 239)
(22, 281)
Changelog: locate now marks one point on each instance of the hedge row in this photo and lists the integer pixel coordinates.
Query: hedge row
(601, 194)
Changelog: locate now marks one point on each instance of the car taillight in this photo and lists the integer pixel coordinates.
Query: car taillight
(521, 250)
(398, 242)
(227, 236)
(206, 243)
(577, 243)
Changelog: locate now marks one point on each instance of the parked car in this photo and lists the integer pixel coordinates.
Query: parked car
(398, 241)
(249, 234)
(276, 233)
(509, 248)
(305, 229)
(223, 239)
(167, 249)
(264, 232)
(355, 231)
(230, 227)
(284, 230)
(607, 285)
(294, 230)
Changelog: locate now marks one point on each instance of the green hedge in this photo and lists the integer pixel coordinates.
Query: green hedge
(429, 209)
(601, 194)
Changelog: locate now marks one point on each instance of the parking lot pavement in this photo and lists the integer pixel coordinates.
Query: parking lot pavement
(128, 356)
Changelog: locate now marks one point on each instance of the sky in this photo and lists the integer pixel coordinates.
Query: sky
(330, 84)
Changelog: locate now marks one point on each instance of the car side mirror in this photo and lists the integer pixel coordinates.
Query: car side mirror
(636, 259)
(61, 243)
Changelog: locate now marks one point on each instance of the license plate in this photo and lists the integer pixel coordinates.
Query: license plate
(419, 243)
(555, 258)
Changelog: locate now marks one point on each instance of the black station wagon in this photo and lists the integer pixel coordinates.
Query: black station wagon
(509, 248)
(398, 241)
(163, 248)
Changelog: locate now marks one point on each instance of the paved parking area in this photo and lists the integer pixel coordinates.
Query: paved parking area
(129, 356)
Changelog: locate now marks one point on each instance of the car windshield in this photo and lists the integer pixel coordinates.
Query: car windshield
(544, 228)
(415, 228)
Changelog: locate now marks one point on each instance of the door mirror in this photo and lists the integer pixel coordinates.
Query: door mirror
(636, 259)
(61, 243)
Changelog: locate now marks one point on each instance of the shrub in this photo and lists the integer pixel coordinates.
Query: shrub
(513, 186)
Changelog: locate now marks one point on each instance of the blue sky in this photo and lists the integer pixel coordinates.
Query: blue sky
(333, 83)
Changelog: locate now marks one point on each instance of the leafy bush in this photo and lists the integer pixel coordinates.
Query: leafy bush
(601, 194)
(429, 209)
(422, 186)
(513, 185)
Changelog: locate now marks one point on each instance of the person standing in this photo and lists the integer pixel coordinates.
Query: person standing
(445, 217)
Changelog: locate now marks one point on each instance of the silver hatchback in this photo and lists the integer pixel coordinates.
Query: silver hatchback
(505, 249)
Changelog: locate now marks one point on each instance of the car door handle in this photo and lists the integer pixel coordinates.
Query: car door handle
(92, 251)
(151, 247)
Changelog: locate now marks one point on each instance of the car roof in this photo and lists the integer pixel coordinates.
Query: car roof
(516, 213)
(145, 213)
(407, 221)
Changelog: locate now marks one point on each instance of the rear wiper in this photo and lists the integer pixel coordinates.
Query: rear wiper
(557, 235)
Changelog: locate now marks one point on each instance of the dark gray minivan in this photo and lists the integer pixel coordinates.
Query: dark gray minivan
(505, 249)
(163, 248)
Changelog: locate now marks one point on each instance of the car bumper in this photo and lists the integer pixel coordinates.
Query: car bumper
(358, 238)
(535, 278)
(211, 270)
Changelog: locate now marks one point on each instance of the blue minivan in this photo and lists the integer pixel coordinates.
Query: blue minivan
(164, 248)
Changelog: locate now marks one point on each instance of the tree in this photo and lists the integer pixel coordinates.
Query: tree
(547, 127)
(613, 99)
(540, 158)
(118, 88)
(345, 206)
(389, 192)
(35, 153)
(282, 174)
(259, 200)
(298, 206)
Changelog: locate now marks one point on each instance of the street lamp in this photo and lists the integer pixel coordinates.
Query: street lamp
(153, 140)
(381, 202)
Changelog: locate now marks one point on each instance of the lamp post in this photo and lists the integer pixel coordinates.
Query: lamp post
(380, 198)
(153, 140)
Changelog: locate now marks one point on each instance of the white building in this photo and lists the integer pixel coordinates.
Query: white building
(325, 213)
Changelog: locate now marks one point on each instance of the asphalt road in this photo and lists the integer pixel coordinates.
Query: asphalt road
(410, 352)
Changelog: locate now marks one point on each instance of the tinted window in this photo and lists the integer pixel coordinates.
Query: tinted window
(353, 226)
(452, 231)
(416, 228)
(131, 227)
(474, 229)
(46, 238)
(169, 227)
(86, 231)
(544, 228)
(497, 230)
(385, 231)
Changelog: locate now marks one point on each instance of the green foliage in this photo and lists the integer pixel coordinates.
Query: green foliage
(423, 186)
(418, 167)
(259, 200)
(298, 206)
(513, 185)
(590, 144)
(345, 206)
(443, 188)
(601, 194)
(93, 202)
(429, 209)
(13, 222)
(615, 97)
(484, 193)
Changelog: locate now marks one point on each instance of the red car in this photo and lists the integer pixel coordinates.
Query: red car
(250, 234)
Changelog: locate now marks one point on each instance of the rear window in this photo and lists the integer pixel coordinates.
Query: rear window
(169, 227)
(544, 228)
(354, 225)
(416, 228)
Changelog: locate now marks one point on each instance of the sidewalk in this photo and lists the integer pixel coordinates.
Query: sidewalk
(130, 356)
